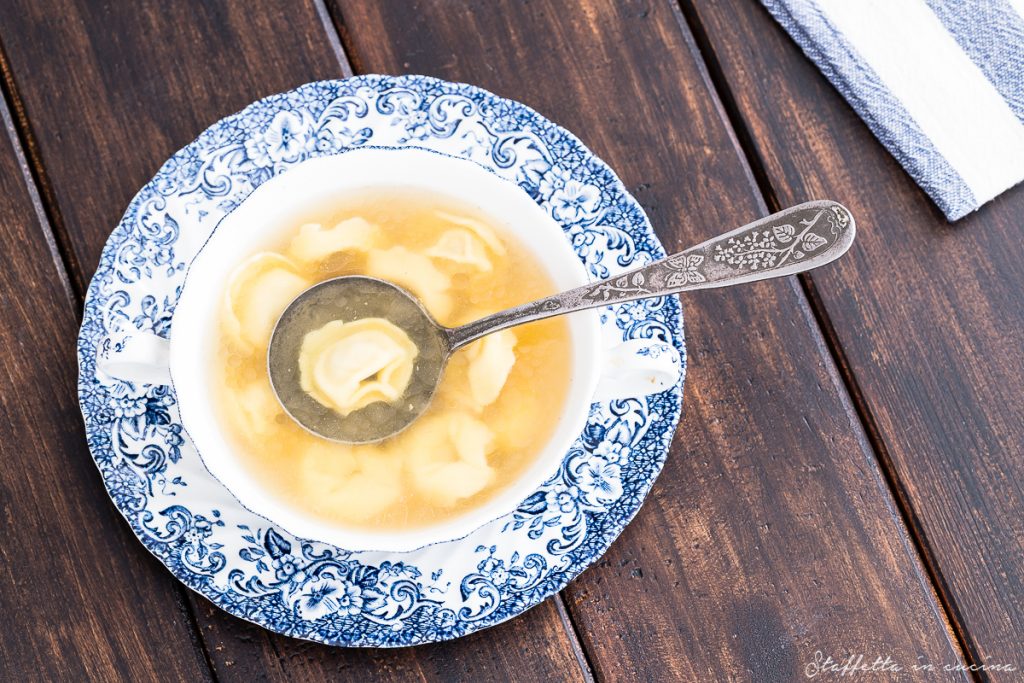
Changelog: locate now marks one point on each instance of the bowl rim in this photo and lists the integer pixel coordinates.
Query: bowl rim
(584, 332)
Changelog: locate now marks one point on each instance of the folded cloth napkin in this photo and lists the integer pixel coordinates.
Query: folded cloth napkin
(939, 82)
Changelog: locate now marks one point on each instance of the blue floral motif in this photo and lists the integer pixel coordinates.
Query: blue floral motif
(600, 482)
(418, 125)
(654, 350)
(151, 253)
(562, 498)
(154, 318)
(571, 201)
(285, 139)
(313, 590)
(328, 596)
(612, 452)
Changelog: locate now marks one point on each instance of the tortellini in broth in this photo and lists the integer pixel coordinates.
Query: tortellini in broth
(462, 247)
(415, 272)
(258, 291)
(461, 451)
(313, 243)
(490, 362)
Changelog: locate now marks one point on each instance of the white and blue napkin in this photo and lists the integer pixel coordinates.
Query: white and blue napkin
(939, 82)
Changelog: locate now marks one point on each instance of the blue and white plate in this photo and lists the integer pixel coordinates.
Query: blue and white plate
(312, 590)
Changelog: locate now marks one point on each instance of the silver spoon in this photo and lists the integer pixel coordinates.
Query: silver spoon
(791, 241)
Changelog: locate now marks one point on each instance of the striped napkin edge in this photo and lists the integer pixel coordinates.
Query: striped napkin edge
(941, 85)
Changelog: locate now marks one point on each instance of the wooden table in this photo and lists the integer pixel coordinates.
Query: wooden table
(847, 477)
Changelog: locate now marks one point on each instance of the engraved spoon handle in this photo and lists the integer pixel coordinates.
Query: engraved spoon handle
(791, 241)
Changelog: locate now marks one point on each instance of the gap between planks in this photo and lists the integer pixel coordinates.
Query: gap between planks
(65, 263)
(761, 182)
(39, 189)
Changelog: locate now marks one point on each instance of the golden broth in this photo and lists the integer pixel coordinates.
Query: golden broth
(388, 485)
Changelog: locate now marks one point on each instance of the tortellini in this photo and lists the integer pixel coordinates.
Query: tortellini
(255, 408)
(449, 462)
(348, 366)
(258, 292)
(490, 362)
(417, 273)
(462, 247)
(313, 243)
(347, 482)
(477, 228)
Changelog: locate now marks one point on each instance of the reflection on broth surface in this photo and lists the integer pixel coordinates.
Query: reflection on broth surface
(499, 399)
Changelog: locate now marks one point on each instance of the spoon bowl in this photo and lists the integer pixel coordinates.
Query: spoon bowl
(347, 298)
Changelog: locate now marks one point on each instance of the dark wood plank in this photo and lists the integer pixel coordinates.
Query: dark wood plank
(512, 651)
(147, 78)
(929, 316)
(112, 90)
(770, 534)
(81, 598)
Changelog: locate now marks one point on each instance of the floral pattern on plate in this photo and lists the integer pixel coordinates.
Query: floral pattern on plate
(300, 587)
